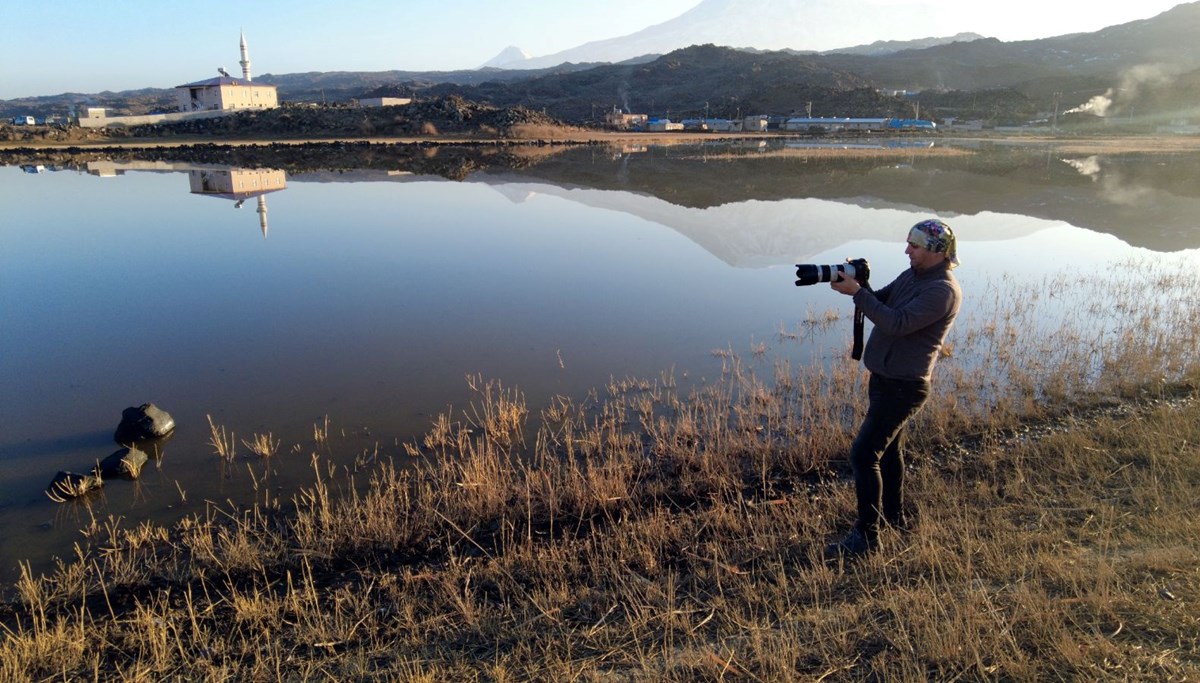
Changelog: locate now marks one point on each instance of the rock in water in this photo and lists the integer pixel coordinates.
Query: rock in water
(68, 485)
(126, 462)
(147, 421)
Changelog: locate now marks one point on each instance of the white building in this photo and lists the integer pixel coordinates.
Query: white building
(224, 93)
(623, 121)
(661, 125)
(755, 124)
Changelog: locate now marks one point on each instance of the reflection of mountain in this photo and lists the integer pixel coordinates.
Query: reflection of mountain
(754, 233)
(1146, 200)
(753, 205)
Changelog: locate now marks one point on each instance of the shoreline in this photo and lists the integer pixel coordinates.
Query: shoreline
(1087, 144)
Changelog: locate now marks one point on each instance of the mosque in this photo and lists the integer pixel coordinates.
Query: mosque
(225, 92)
(200, 100)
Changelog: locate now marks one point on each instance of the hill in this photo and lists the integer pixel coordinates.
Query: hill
(1140, 64)
(694, 81)
(1145, 67)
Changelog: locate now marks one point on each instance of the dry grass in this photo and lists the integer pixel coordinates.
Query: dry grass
(646, 534)
(263, 445)
(223, 443)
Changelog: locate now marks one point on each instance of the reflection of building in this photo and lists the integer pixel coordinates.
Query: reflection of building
(235, 184)
(239, 184)
(112, 169)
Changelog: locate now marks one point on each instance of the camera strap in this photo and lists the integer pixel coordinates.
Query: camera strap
(857, 352)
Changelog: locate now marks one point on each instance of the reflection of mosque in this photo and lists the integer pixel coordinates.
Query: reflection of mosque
(235, 184)
(239, 184)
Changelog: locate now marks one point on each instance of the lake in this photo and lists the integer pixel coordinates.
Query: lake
(362, 297)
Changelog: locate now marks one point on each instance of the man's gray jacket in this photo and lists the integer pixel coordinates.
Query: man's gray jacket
(911, 318)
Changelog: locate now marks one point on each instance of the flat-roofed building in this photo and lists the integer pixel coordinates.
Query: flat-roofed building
(226, 92)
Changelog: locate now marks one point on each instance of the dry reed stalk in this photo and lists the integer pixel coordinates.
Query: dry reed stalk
(224, 444)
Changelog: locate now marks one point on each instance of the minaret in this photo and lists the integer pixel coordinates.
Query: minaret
(262, 214)
(245, 59)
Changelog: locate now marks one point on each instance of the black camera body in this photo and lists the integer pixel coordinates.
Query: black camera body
(855, 269)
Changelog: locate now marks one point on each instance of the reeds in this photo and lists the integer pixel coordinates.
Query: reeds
(263, 445)
(223, 443)
(662, 533)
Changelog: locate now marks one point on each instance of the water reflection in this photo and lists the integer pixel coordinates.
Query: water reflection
(553, 272)
(239, 185)
(223, 182)
(1144, 199)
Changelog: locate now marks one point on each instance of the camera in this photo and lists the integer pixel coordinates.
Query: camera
(855, 269)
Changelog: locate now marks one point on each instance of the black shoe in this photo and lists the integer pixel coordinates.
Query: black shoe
(901, 523)
(856, 544)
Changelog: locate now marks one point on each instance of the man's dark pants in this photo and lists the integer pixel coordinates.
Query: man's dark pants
(877, 454)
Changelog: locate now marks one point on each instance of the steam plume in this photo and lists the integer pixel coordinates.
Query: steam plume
(1132, 83)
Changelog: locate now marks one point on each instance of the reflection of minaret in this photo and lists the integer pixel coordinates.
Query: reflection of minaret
(245, 59)
(239, 185)
(262, 214)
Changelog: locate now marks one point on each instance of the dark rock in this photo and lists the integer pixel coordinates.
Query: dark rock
(68, 485)
(147, 421)
(126, 462)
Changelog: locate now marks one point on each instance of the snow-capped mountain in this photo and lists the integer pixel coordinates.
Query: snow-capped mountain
(815, 25)
(508, 56)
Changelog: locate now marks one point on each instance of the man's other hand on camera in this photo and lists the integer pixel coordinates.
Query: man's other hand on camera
(845, 285)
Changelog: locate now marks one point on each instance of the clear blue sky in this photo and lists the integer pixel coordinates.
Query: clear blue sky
(79, 46)
(94, 45)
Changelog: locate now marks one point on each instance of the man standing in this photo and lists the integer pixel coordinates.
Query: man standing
(911, 318)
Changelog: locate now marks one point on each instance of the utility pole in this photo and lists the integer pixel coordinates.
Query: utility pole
(808, 109)
(1054, 124)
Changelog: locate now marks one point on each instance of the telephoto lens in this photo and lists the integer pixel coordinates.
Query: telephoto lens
(809, 274)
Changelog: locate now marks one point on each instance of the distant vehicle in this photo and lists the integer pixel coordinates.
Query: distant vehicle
(24, 120)
(33, 168)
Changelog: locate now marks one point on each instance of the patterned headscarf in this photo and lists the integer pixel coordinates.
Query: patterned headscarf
(935, 236)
